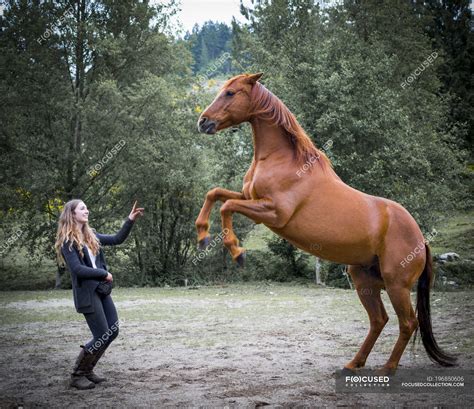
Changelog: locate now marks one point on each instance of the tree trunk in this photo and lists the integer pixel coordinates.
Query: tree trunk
(318, 272)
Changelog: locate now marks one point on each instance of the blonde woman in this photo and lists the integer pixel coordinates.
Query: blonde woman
(80, 248)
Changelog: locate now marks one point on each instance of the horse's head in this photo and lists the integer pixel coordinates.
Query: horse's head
(231, 106)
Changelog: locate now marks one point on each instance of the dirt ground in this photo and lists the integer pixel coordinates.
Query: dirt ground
(237, 346)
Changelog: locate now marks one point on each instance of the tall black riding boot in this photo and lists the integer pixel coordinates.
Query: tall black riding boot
(90, 370)
(78, 376)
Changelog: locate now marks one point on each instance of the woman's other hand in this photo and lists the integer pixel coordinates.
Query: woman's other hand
(136, 212)
(109, 277)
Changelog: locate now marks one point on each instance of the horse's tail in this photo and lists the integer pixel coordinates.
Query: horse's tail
(424, 315)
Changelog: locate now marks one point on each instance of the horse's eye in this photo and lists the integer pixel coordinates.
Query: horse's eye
(230, 94)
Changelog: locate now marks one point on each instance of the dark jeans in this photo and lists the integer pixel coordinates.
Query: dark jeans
(103, 322)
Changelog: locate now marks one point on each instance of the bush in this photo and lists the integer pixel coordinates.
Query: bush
(291, 262)
(333, 275)
(26, 277)
(455, 274)
(262, 265)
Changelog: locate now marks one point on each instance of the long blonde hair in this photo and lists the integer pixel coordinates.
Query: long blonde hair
(69, 230)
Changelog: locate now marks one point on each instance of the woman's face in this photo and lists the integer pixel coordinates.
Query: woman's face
(81, 214)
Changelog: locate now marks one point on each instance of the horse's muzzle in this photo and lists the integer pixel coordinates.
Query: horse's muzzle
(205, 125)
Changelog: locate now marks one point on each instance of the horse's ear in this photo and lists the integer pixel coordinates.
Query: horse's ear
(253, 78)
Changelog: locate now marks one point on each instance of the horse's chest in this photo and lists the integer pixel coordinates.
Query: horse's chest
(259, 187)
(249, 191)
(261, 184)
(253, 192)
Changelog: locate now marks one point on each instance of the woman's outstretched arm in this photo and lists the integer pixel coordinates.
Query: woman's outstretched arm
(119, 237)
(122, 234)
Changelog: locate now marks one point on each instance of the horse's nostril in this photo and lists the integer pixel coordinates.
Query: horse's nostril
(202, 121)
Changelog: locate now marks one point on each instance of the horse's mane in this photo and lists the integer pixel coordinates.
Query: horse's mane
(268, 106)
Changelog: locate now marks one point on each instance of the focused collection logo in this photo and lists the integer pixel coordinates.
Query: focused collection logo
(367, 381)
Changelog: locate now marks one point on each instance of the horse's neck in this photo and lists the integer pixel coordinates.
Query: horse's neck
(269, 139)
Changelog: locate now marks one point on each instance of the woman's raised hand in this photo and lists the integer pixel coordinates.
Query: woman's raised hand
(136, 211)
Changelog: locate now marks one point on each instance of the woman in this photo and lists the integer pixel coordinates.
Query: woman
(81, 249)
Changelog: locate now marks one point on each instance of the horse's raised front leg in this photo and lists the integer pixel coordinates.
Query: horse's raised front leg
(202, 222)
(260, 211)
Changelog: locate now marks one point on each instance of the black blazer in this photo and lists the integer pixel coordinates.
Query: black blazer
(85, 278)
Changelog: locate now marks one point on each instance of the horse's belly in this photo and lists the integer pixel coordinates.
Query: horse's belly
(338, 251)
(346, 232)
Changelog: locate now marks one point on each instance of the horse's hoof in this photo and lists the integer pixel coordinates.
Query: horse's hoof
(203, 243)
(385, 371)
(240, 260)
(348, 371)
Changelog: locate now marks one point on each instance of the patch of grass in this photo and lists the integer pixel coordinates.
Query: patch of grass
(455, 234)
(17, 316)
(11, 296)
(228, 302)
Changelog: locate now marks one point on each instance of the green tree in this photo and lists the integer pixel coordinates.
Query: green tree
(451, 29)
(344, 82)
(342, 70)
(208, 43)
(73, 95)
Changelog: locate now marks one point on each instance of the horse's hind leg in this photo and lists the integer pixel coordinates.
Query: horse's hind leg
(399, 278)
(400, 298)
(368, 284)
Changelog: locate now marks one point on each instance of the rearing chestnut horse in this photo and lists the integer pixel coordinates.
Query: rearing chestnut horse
(317, 212)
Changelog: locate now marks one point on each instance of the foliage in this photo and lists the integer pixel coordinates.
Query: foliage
(455, 274)
(451, 29)
(77, 84)
(335, 275)
(341, 71)
(94, 83)
(208, 43)
(292, 264)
